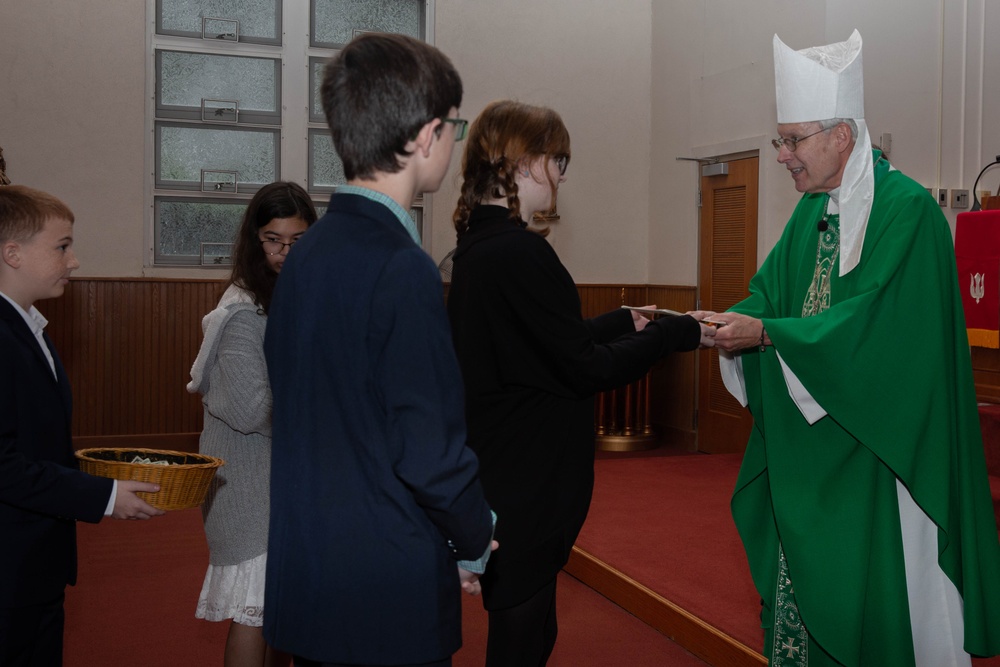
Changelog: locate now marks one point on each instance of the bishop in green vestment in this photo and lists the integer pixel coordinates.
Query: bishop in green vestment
(863, 501)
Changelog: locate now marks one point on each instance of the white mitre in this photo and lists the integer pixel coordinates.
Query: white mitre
(820, 83)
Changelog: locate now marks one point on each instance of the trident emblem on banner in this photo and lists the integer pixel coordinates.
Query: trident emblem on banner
(976, 286)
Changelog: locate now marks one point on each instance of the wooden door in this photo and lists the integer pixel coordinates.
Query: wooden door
(727, 261)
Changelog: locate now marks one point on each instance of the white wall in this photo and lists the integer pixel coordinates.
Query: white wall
(590, 61)
(72, 118)
(931, 81)
(638, 82)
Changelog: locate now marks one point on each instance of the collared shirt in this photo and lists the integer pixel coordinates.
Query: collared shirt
(387, 201)
(36, 322)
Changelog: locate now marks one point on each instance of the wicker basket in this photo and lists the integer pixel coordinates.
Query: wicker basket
(183, 484)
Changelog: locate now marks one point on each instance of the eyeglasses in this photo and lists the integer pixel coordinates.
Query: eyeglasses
(272, 247)
(461, 127)
(791, 143)
(562, 161)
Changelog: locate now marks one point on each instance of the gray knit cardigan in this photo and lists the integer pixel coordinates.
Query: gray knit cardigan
(231, 374)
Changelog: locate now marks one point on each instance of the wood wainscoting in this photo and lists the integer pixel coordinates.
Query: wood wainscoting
(986, 370)
(128, 344)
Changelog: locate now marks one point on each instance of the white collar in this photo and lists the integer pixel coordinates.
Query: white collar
(34, 319)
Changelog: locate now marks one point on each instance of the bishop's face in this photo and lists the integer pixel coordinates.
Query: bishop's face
(818, 161)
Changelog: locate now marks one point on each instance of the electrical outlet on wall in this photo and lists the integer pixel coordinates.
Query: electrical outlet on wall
(942, 197)
(959, 199)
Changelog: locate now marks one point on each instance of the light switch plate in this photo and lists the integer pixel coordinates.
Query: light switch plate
(959, 198)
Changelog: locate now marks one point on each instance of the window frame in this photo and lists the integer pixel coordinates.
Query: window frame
(199, 186)
(158, 28)
(294, 58)
(242, 117)
(337, 46)
(174, 260)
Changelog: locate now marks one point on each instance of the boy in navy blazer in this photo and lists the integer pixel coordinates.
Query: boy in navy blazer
(42, 493)
(374, 496)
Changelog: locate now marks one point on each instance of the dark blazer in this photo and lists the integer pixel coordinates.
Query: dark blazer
(531, 366)
(370, 475)
(42, 493)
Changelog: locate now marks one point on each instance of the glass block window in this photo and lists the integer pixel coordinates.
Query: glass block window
(316, 67)
(218, 88)
(252, 21)
(235, 104)
(336, 22)
(185, 152)
(326, 171)
(196, 230)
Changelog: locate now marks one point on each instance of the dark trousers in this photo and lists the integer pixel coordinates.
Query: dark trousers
(32, 636)
(302, 662)
(524, 635)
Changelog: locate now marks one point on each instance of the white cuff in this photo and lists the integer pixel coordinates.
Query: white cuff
(806, 404)
(111, 501)
(731, 366)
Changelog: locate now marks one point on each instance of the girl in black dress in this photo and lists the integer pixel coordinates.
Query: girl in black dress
(531, 366)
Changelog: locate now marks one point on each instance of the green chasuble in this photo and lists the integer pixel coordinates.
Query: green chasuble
(884, 352)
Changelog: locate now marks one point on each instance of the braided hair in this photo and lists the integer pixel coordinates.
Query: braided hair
(504, 136)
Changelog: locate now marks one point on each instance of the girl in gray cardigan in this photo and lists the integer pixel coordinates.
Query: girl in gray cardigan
(231, 375)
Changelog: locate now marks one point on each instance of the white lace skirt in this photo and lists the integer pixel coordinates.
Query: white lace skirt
(234, 591)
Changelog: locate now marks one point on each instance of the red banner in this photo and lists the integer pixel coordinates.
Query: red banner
(977, 254)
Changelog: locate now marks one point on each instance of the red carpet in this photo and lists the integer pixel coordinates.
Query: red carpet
(664, 521)
(137, 589)
(661, 519)
(593, 631)
(139, 583)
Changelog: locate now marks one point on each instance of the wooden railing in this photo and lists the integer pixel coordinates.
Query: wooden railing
(659, 407)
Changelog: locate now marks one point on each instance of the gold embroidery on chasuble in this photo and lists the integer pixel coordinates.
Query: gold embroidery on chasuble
(827, 249)
(791, 641)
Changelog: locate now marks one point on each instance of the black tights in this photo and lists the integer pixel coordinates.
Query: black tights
(523, 635)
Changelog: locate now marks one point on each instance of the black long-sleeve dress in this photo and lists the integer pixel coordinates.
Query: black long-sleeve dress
(531, 366)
